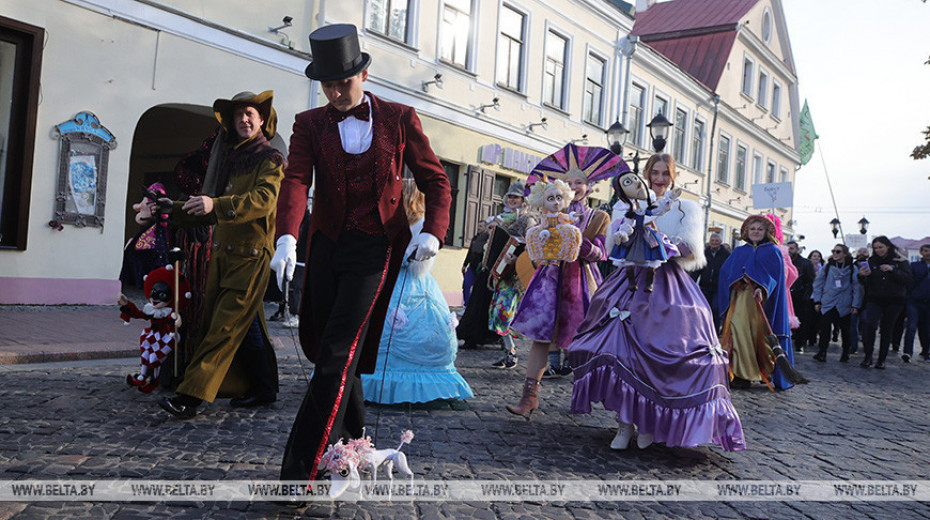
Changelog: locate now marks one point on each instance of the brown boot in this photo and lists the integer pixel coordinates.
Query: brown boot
(529, 401)
(631, 277)
(650, 278)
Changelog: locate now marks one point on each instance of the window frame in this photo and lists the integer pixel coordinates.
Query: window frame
(605, 74)
(770, 165)
(24, 109)
(520, 88)
(749, 75)
(775, 109)
(637, 127)
(739, 181)
(758, 174)
(679, 143)
(410, 24)
(782, 174)
(552, 31)
(725, 152)
(470, 46)
(698, 140)
(762, 89)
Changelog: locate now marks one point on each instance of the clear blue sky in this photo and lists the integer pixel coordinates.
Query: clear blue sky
(860, 65)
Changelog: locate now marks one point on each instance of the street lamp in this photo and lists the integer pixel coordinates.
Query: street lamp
(616, 136)
(836, 226)
(658, 131)
(863, 225)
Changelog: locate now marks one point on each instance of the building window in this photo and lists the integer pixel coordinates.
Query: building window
(767, 26)
(783, 175)
(756, 169)
(510, 48)
(741, 153)
(660, 107)
(593, 90)
(763, 98)
(455, 34)
(723, 159)
(678, 139)
(697, 145)
(452, 171)
(637, 103)
(747, 76)
(389, 18)
(554, 78)
(770, 173)
(20, 65)
(776, 99)
(501, 184)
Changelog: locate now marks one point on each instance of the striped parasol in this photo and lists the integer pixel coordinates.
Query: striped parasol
(593, 162)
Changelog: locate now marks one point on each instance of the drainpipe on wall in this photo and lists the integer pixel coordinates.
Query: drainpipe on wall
(315, 85)
(710, 167)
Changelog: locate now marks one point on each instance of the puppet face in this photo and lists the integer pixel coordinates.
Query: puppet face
(579, 184)
(633, 186)
(160, 295)
(553, 202)
(756, 232)
(143, 211)
(514, 202)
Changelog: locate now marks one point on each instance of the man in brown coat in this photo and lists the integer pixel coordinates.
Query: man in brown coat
(234, 357)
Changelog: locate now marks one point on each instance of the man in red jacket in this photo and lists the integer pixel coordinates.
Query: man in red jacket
(357, 145)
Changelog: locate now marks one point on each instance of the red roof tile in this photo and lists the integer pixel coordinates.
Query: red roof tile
(685, 15)
(697, 35)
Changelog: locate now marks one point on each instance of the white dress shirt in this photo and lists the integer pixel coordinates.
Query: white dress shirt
(355, 133)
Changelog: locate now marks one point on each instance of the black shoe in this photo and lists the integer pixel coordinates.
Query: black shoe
(880, 366)
(508, 361)
(564, 370)
(844, 359)
(820, 357)
(740, 383)
(905, 358)
(253, 401)
(836, 338)
(181, 411)
(551, 371)
(926, 357)
(866, 363)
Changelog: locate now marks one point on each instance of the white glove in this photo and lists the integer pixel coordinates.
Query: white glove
(427, 246)
(285, 259)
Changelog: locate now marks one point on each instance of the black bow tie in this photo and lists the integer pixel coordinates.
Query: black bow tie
(360, 112)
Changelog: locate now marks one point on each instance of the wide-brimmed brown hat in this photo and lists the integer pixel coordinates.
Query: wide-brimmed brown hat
(336, 53)
(223, 110)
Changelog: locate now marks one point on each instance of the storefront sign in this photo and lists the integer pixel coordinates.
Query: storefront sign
(508, 158)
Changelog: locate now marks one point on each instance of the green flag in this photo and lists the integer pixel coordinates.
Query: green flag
(808, 135)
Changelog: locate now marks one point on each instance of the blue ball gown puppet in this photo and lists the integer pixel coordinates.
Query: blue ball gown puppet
(416, 357)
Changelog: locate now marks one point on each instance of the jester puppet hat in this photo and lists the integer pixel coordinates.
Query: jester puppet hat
(593, 162)
(166, 275)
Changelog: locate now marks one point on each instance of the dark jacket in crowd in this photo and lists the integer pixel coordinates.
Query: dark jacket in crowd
(475, 251)
(803, 287)
(887, 287)
(708, 277)
(920, 286)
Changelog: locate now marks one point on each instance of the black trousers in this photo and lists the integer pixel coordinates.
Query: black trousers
(885, 314)
(827, 321)
(344, 279)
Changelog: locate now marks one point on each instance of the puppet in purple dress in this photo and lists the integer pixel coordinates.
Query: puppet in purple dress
(558, 294)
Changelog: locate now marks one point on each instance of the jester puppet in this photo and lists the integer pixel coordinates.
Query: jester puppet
(165, 289)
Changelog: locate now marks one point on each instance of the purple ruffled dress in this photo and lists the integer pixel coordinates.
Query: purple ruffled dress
(558, 295)
(654, 358)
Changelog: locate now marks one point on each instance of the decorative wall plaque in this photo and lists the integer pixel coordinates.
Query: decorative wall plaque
(82, 171)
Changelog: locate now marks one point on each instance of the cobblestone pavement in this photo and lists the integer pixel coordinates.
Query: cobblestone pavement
(79, 420)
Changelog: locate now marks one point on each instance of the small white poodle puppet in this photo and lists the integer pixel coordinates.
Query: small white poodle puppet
(345, 462)
(159, 338)
(638, 243)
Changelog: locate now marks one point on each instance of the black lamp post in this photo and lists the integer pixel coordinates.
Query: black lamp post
(658, 131)
(863, 225)
(836, 226)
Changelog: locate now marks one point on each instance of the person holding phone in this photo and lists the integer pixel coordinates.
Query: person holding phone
(837, 297)
(885, 276)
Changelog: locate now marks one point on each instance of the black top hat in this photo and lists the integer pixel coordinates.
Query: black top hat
(336, 54)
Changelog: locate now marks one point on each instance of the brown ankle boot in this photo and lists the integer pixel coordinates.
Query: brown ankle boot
(529, 401)
(631, 277)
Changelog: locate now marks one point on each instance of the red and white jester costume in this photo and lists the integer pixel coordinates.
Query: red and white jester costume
(159, 338)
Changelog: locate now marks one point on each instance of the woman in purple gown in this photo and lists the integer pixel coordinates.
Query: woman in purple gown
(654, 358)
(558, 294)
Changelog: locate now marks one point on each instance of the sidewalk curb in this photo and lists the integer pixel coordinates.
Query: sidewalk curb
(23, 358)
